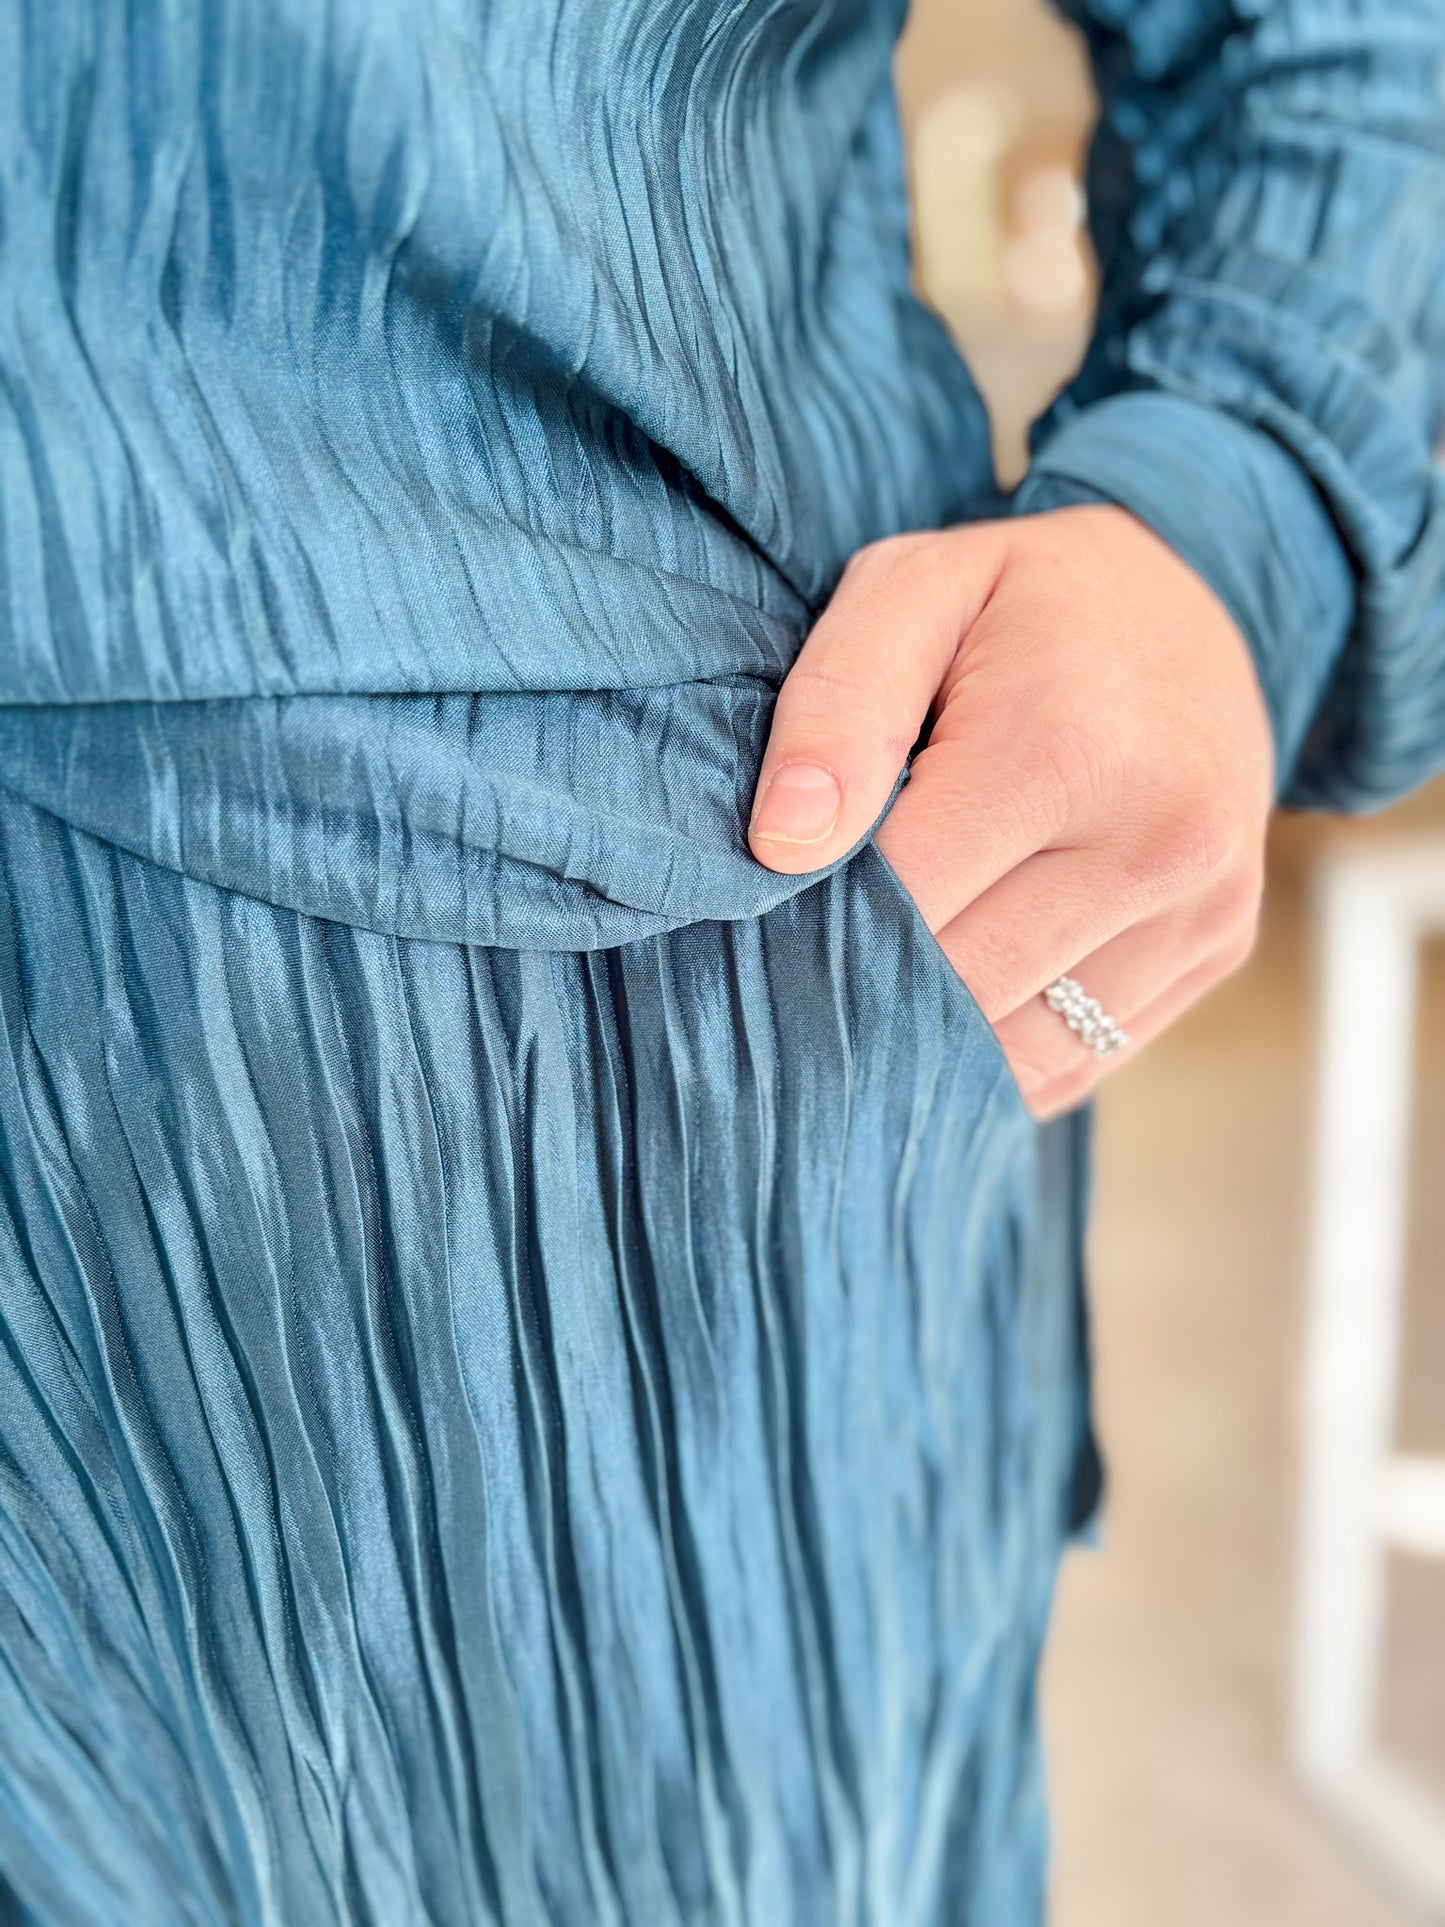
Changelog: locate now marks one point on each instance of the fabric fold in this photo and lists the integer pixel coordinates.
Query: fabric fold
(567, 822)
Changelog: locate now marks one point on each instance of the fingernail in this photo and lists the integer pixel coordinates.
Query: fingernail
(800, 805)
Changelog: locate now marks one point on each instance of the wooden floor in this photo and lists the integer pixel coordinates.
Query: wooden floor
(1166, 1683)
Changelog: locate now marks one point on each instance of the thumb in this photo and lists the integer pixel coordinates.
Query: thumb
(854, 701)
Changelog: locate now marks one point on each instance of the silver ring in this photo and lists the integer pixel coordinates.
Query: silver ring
(1085, 1015)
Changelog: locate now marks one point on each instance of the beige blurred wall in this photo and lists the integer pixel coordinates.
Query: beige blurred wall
(997, 107)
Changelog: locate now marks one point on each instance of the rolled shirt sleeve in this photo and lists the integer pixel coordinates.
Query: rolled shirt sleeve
(1264, 387)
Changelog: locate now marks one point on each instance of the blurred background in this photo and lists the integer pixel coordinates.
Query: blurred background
(1245, 1692)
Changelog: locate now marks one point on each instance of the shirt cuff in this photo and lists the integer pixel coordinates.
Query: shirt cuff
(1239, 508)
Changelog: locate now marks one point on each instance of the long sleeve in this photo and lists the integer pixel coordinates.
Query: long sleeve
(1267, 378)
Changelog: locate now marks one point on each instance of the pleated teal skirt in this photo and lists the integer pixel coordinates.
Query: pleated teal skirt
(517, 1436)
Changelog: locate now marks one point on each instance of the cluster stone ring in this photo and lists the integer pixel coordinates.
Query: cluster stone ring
(1085, 1016)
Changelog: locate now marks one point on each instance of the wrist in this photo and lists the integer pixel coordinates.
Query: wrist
(1241, 511)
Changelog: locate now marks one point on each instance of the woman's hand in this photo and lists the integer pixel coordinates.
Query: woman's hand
(1093, 796)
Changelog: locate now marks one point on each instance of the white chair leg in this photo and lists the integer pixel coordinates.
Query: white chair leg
(1356, 1500)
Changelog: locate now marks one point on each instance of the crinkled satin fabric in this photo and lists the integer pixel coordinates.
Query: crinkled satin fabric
(516, 1435)
(542, 1375)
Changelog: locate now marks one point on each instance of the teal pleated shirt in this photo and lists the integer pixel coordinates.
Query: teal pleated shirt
(542, 1366)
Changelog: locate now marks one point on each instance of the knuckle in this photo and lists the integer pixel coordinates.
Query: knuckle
(1090, 764)
(1194, 843)
(827, 685)
(887, 555)
(1061, 778)
(1203, 846)
(1240, 894)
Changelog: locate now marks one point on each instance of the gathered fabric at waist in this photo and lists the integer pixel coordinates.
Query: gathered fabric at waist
(565, 820)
